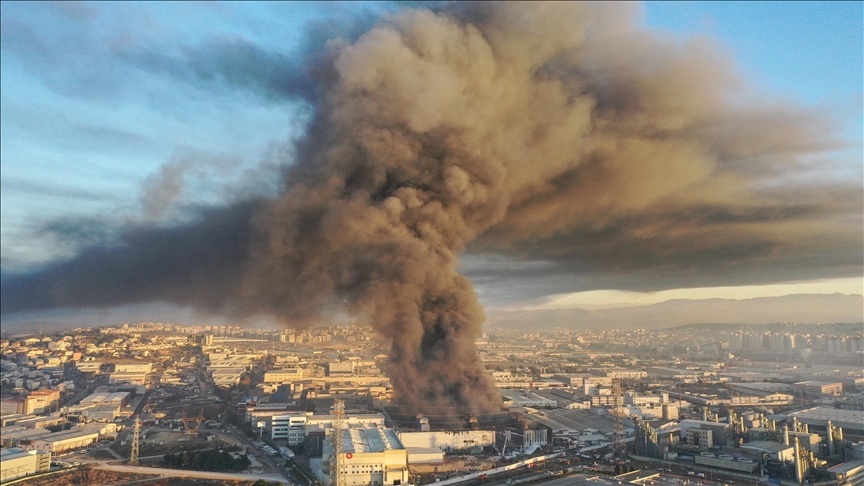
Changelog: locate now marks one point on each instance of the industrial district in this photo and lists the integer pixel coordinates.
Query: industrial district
(693, 405)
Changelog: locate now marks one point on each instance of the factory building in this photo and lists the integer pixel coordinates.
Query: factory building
(849, 420)
(817, 388)
(16, 463)
(133, 367)
(774, 450)
(626, 374)
(118, 399)
(285, 375)
(849, 472)
(720, 432)
(703, 438)
(448, 440)
(292, 426)
(373, 456)
(66, 441)
(340, 369)
(130, 377)
(523, 398)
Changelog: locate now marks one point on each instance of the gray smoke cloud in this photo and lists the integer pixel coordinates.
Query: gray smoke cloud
(554, 131)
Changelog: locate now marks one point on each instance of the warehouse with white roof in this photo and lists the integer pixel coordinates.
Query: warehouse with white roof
(374, 456)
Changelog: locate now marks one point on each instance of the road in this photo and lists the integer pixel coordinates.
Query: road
(178, 473)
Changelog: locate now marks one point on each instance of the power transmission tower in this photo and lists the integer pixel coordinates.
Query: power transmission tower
(618, 445)
(192, 424)
(136, 432)
(337, 441)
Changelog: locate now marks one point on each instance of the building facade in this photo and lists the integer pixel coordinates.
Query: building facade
(290, 427)
(373, 456)
(16, 463)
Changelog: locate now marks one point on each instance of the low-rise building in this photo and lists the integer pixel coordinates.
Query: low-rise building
(774, 450)
(817, 388)
(340, 368)
(12, 406)
(74, 439)
(16, 463)
(626, 374)
(849, 472)
(130, 377)
(88, 366)
(703, 438)
(285, 375)
(449, 440)
(290, 427)
(66, 441)
(521, 398)
(850, 420)
(133, 367)
(41, 401)
(373, 456)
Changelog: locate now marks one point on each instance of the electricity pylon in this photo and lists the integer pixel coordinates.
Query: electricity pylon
(337, 442)
(136, 432)
(618, 444)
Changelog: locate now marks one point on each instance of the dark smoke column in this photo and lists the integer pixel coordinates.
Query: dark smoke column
(386, 192)
(378, 233)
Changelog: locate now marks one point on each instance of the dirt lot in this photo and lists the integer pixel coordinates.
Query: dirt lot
(164, 441)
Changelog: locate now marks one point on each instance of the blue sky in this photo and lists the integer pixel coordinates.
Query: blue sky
(94, 101)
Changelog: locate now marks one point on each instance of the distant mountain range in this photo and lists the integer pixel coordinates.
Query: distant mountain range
(762, 310)
(803, 308)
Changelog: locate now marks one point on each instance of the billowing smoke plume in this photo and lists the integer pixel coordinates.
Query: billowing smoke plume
(550, 126)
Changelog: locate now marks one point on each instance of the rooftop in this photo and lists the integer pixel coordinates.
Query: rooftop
(828, 413)
(766, 446)
(10, 453)
(846, 467)
(371, 439)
